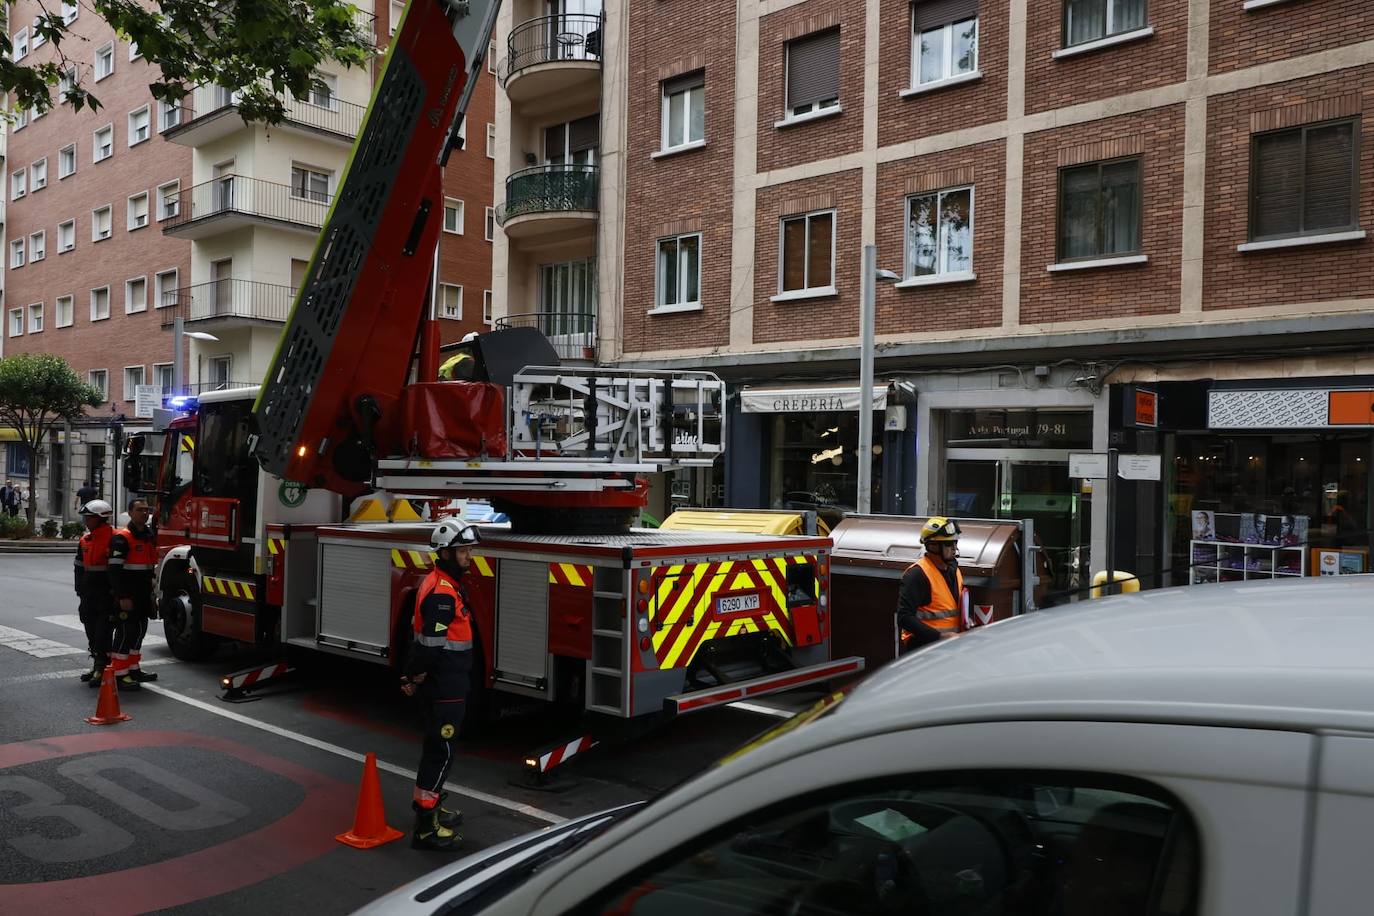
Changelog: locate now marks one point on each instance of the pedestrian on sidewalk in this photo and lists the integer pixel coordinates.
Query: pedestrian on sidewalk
(85, 493)
(93, 585)
(9, 498)
(133, 560)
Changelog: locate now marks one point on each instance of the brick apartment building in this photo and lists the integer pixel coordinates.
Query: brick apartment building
(120, 221)
(1133, 224)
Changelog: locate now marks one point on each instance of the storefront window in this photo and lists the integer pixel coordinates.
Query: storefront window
(814, 464)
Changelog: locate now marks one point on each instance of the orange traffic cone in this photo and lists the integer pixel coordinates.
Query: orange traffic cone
(369, 823)
(107, 707)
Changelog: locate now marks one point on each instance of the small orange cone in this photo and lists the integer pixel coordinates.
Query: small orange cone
(107, 707)
(369, 823)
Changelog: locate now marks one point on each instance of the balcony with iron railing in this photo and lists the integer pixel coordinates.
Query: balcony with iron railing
(549, 199)
(229, 300)
(211, 113)
(232, 202)
(552, 54)
(573, 334)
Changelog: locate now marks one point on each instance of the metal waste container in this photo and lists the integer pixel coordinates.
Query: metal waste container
(872, 551)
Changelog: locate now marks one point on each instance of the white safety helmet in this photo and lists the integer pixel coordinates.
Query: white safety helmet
(97, 507)
(452, 533)
(470, 335)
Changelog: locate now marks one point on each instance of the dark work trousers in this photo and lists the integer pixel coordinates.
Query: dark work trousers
(443, 700)
(94, 610)
(126, 637)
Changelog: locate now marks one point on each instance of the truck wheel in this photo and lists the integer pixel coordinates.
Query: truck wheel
(180, 606)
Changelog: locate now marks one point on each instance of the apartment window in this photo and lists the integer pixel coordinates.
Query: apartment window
(939, 233)
(684, 111)
(944, 40)
(309, 184)
(1304, 181)
(166, 288)
(135, 295)
(679, 271)
(133, 377)
(135, 52)
(491, 140)
(19, 184)
(38, 175)
(35, 113)
(139, 126)
(1099, 209)
(100, 223)
(66, 82)
(19, 44)
(66, 160)
(813, 73)
(324, 91)
(491, 57)
(162, 376)
(104, 61)
(36, 318)
(486, 306)
(21, 120)
(70, 11)
(453, 215)
(16, 253)
(221, 370)
(65, 311)
(103, 146)
(398, 8)
(807, 252)
(168, 115)
(100, 303)
(38, 246)
(16, 322)
(66, 236)
(99, 379)
(38, 39)
(1090, 20)
(138, 211)
(450, 300)
(491, 223)
(168, 200)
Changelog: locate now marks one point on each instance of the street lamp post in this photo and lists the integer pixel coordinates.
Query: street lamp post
(178, 333)
(867, 318)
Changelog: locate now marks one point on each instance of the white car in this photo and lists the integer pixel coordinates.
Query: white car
(1204, 750)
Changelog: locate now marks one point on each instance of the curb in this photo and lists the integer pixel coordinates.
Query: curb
(32, 547)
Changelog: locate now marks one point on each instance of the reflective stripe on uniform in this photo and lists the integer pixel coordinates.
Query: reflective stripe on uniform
(439, 642)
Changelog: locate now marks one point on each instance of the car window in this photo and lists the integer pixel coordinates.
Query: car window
(998, 843)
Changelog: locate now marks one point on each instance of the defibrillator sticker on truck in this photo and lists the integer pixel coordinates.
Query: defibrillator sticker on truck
(737, 604)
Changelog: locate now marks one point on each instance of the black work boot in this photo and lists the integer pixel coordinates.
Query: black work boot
(430, 834)
(94, 676)
(142, 676)
(449, 818)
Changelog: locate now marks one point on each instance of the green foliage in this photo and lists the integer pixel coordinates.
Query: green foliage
(72, 530)
(262, 48)
(15, 526)
(50, 528)
(38, 389)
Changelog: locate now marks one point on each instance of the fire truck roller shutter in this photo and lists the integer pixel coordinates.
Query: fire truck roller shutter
(355, 597)
(522, 626)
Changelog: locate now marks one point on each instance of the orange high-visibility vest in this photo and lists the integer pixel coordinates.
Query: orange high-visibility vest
(95, 549)
(457, 637)
(943, 612)
(142, 550)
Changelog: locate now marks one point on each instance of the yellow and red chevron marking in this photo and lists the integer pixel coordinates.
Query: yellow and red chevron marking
(684, 599)
(424, 559)
(483, 566)
(276, 545)
(570, 574)
(230, 588)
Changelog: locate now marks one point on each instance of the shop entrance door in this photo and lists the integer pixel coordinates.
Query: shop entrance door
(1024, 483)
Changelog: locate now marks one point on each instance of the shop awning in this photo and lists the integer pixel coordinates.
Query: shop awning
(9, 434)
(808, 399)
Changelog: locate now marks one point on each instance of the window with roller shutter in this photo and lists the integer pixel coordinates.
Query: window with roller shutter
(944, 40)
(813, 73)
(1303, 181)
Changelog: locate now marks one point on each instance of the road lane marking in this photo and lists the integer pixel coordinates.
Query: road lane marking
(33, 645)
(73, 622)
(476, 794)
(73, 673)
(764, 710)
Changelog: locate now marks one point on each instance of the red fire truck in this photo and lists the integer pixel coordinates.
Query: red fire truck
(572, 604)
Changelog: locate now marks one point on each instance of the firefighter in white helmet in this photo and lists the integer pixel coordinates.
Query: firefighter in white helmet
(93, 585)
(438, 669)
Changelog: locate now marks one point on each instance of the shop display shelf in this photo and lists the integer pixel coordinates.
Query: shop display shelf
(1229, 561)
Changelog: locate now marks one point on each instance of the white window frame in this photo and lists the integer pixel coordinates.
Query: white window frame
(38, 174)
(490, 226)
(17, 253)
(808, 288)
(491, 140)
(454, 205)
(660, 299)
(165, 211)
(94, 291)
(95, 143)
(69, 225)
(130, 220)
(58, 310)
(444, 289)
(66, 82)
(397, 8)
(1109, 34)
(96, 235)
(131, 307)
(168, 116)
(159, 293)
(666, 102)
(311, 171)
(135, 52)
(948, 74)
(331, 96)
(486, 307)
(131, 391)
(35, 311)
(106, 51)
(146, 112)
(38, 39)
(38, 246)
(61, 158)
(19, 183)
(164, 370)
(99, 379)
(942, 272)
(491, 57)
(16, 328)
(21, 120)
(70, 11)
(227, 359)
(814, 109)
(19, 45)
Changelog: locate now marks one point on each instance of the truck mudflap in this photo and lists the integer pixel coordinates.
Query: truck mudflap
(696, 700)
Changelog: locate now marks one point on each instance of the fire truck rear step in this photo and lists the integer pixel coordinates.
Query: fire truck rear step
(696, 700)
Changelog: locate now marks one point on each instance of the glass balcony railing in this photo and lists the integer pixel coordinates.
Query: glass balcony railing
(549, 189)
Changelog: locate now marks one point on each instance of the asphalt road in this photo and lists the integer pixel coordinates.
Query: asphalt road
(197, 805)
